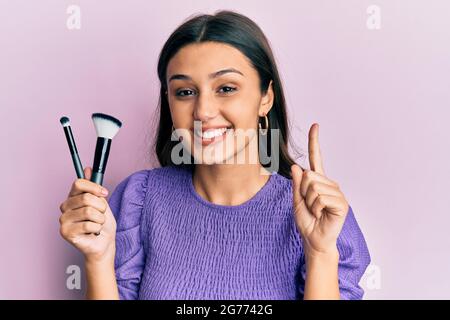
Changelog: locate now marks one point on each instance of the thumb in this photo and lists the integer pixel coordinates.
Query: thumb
(87, 173)
(297, 173)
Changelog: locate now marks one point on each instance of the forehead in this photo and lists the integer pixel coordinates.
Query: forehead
(208, 57)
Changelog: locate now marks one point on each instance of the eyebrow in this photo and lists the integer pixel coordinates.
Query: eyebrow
(211, 76)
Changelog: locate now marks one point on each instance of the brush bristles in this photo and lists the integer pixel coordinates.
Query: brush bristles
(65, 121)
(106, 125)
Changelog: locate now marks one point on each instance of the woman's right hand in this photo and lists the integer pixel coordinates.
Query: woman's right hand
(84, 213)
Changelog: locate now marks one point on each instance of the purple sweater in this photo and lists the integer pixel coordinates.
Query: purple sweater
(173, 244)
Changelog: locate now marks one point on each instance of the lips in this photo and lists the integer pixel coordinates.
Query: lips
(211, 133)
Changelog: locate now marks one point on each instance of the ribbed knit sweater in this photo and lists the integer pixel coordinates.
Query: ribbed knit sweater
(173, 244)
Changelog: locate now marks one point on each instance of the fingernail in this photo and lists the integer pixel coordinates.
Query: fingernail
(104, 192)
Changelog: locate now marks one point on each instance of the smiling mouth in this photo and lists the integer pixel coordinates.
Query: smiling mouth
(211, 134)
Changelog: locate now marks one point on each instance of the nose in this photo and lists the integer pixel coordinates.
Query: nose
(205, 108)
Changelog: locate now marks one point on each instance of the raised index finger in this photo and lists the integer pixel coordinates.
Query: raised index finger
(315, 157)
(83, 185)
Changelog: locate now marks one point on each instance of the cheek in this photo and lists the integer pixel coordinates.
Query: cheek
(242, 112)
(182, 114)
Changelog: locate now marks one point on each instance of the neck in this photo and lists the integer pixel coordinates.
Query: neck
(229, 184)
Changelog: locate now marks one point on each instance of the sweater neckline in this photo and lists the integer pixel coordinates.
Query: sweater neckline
(256, 197)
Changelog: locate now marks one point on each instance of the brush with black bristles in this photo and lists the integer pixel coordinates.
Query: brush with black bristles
(72, 147)
(106, 127)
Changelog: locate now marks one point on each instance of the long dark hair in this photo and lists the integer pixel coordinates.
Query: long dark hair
(243, 34)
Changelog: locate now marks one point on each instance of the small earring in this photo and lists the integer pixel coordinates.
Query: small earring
(264, 131)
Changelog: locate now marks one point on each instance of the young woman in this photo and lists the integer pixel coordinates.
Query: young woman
(219, 223)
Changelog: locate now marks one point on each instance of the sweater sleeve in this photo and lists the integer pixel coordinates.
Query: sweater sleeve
(126, 203)
(354, 258)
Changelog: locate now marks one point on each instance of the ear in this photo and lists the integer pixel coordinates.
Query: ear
(266, 101)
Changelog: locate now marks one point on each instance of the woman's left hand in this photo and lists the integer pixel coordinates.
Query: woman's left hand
(319, 205)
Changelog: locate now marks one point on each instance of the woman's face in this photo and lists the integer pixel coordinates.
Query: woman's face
(214, 95)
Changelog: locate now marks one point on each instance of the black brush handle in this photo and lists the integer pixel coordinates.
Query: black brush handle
(74, 152)
(78, 166)
(97, 177)
(100, 159)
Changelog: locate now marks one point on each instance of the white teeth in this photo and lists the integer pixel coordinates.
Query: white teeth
(212, 133)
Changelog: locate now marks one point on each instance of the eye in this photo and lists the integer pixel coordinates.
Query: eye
(184, 92)
(227, 89)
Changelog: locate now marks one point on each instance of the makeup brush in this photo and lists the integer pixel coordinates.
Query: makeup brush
(106, 127)
(72, 147)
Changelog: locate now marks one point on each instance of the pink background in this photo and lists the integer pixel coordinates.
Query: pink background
(381, 98)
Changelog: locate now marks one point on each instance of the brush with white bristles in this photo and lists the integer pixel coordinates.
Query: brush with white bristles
(106, 127)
